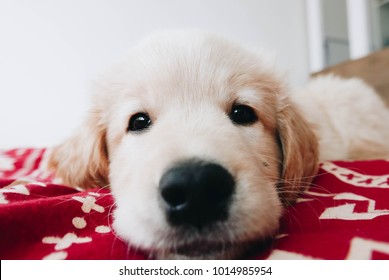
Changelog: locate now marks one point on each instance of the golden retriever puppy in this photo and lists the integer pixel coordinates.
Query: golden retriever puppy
(201, 144)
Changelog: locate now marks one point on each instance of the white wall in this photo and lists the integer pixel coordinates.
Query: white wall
(51, 50)
(335, 31)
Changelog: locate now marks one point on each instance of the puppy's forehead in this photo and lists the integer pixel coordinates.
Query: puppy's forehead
(201, 67)
(193, 69)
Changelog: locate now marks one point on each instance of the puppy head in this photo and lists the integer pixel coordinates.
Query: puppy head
(199, 143)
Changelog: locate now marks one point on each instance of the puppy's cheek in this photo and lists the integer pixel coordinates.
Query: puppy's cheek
(257, 209)
(122, 225)
(137, 217)
(140, 226)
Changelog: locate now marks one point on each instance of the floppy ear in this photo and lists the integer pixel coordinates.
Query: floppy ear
(299, 147)
(82, 160)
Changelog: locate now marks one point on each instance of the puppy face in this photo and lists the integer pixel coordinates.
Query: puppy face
(199, 144)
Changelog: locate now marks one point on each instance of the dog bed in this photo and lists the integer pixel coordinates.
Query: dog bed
(343, 215)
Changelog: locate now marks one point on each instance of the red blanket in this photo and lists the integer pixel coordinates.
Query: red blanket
(344, 215)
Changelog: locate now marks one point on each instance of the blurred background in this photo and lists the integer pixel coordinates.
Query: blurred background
(50, 51)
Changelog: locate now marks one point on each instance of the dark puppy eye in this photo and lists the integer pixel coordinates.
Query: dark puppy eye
(243, 115)
(139, 122)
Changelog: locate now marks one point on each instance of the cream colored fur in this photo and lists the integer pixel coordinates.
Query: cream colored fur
(187, 82)
(349, 118)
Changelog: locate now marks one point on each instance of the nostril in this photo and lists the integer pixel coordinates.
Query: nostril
(175, 196)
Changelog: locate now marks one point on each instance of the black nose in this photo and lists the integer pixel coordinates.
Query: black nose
(196, 193)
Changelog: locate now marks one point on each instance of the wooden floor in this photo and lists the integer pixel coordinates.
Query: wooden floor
(373, 69)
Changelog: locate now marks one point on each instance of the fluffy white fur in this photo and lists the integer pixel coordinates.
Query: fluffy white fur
(187, 82)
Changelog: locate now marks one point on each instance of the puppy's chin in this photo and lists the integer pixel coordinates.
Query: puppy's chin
(205, 251)
(229, 240)
(214, 246)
